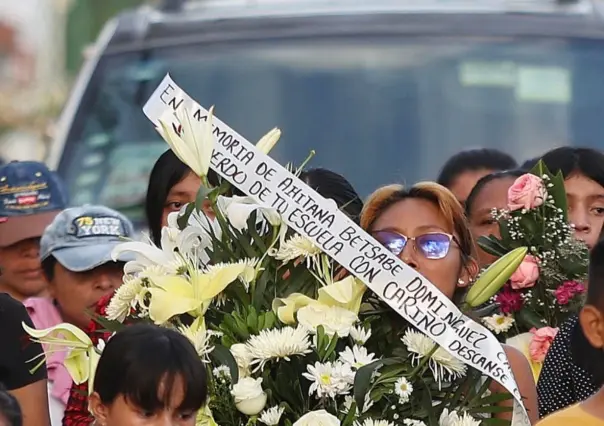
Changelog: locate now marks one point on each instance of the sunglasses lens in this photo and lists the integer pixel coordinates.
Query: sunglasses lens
(393, 242)
(433, 246)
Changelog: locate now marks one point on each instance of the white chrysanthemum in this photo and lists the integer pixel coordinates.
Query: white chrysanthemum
(356, 357)
(499, 323)
(441, 363)
(334, 319)
(371, 422)
(329, 379)
(452, 418)
(278, 344)
(360, 335)
(298, 247)
(126, 297)
(412, 422)
(200, 339)
(271, 416)
(403, 390)
(349, 400)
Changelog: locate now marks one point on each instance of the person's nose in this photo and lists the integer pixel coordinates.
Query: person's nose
(107, 282)
(580, 221)
(408, 255)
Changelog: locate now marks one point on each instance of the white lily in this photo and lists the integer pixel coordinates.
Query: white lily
(197, 236)
(166, 258)
(82, 357)
(268, 141)
(193, 142)
(237, 211)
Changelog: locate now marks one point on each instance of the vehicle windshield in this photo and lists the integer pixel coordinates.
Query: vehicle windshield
(378, 111)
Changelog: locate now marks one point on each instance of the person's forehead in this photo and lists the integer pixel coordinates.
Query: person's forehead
(412, 214)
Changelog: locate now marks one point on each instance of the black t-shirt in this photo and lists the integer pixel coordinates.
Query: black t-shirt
(16, 347)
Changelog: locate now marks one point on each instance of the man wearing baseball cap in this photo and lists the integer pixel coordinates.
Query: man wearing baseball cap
(75, 251)
(30, 197)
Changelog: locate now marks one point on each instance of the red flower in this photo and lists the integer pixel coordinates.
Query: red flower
(509, 301)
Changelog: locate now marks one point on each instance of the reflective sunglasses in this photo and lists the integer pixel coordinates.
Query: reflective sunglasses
(432, 245)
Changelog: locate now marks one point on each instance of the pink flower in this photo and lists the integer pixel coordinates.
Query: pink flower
(509, 301)
(563, 294)
(567, 291)
(527, 273)
(527, 192)
(541, 342)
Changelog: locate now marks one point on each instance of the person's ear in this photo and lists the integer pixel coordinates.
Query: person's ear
(592, 323)
(99, 410)
(469, 272)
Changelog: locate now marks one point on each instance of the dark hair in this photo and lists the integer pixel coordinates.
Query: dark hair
(167, 172)
(48, 267)
(483, 181)
(333, 185)
(530, 163)
(583, 353)
(473, 160)
(9, 408)
(141, 359)
(572, 161)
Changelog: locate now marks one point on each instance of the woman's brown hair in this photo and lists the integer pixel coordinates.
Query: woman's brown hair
(450, 208)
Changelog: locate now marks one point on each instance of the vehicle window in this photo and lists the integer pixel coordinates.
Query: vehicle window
(377, 110)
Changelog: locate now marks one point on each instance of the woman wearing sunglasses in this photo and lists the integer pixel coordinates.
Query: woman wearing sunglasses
(426, 227)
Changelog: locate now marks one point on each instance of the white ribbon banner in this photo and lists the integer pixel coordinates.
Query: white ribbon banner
(405, 290)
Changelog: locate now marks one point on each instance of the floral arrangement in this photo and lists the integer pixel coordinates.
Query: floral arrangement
(288, 338)
(548, 285)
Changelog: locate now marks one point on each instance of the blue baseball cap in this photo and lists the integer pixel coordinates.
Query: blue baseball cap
(82, 238)
(30, 198)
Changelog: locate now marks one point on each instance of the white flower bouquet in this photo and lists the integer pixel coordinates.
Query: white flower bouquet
(288, 337)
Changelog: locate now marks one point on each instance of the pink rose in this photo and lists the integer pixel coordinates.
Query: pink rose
(527, 192)
(541, 342)
(527, 273)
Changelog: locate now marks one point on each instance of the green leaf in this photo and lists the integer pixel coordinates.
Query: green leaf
(362, 381)
(202, 195)
(221, 355)
(495, 398)
(331, 347)
(492, 246)
(184, 218)
(109, 325)
(494, 422)
(529, 318)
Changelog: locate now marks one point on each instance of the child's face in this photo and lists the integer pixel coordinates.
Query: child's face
(76, 292)
(21, 274)
(122, 412)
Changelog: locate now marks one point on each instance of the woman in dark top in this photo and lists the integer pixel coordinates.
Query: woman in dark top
(17, 350)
